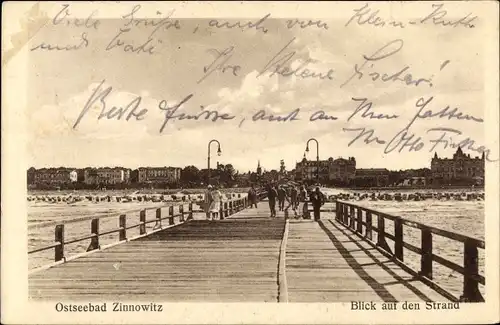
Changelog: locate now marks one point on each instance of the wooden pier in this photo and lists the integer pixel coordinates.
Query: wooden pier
(249, 257)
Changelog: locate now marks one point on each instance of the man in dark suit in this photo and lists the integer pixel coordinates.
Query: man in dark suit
(272, 194)
(317, 200)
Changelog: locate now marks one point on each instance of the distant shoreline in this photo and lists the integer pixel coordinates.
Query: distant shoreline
(245, 189)
(397, 188)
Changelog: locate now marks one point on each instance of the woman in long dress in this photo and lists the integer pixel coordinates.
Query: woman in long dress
(215, 205)
(208, 201)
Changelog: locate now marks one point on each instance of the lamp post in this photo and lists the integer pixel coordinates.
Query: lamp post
(317, 155)
(208, 157)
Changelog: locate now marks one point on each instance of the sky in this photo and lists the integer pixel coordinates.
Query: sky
(61, 83)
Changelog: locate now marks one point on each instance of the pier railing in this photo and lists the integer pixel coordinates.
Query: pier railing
(174, 218)
(359, 219)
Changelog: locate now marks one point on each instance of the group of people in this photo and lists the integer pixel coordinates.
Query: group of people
(213, 198)
(291, 194)
(294, 196)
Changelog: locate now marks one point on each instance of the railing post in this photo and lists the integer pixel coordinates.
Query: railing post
(94, 230)
(123, 227)
(226, 211)
(345, 214)
(190, 207)
(171, 220)
(426, 257)
(471, 271)
(221, 211)
(181, 212)
(369, 225)
(59, 237)
(230, 207)
(359, 224)
(352, 218)
(158, 217)
(381, 233)
(338, 211)
(142, 221)
(398, 242)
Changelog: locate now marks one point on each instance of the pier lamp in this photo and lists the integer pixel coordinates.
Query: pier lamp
(317, 155)
(219, 152)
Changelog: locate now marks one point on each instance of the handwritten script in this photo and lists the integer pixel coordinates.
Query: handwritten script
(387, 63)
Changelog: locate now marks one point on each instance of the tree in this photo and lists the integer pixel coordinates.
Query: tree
(229, 171)
(190, 175)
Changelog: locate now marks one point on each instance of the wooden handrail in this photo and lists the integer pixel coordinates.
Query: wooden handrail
(470, 271)
(228, 207)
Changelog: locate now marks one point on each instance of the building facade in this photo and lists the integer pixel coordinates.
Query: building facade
(372, 177)
(460, 167)
(340, 169)
(343, 170)
(52, 176)
(106, 175)
(159, 174)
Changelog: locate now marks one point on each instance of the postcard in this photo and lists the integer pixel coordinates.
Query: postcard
(250, 162)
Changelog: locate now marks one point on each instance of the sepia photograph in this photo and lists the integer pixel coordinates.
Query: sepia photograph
(321, 153)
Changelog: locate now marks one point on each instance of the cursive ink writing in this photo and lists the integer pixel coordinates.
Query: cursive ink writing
(278, 63)
(84, 42)
(259, 25)
(262, 116)
(443, 113)
(291, 23)
(437, 17)
(362, 132)
(99, 96)
(170, 112)
(365, 15)
(322, 116)
(366, 108)
(64, 14)
(403, 139)
(401, 75)
(466, 143)
(160, 23)
(145, 47)
(220, 63)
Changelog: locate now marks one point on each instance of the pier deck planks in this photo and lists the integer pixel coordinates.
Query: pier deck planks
(235, 260)
(325, 262)
(230, 260)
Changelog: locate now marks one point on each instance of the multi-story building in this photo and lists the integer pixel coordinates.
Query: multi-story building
(460, 167)
(52, 176)
(308, 170)
(159, 174)
(106, 175)
(339, 169)
(372, 177)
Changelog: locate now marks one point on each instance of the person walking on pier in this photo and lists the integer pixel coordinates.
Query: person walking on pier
(271, 196)
(317, 200)
(302, 198)
(208, 201)
(215, 205)
(294, 193)
(252, 197)
(281, 198)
